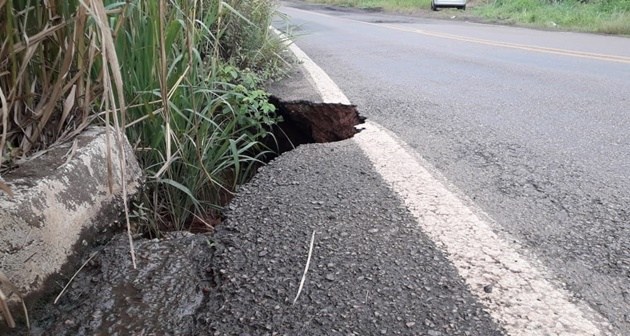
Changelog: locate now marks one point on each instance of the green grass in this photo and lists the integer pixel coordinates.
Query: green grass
(600, 16)
(180, 77)
(197, 115)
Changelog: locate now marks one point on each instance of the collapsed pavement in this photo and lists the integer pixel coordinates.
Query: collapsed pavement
(108, 276)
(372, 270)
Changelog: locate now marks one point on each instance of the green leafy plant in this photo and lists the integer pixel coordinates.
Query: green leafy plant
(196, 118)
(180, 77)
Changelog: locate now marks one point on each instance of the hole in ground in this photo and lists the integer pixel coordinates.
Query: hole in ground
(307, 122)
(303, 122)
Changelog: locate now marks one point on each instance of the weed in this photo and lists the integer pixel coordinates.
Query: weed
(180, 77)
(199, 124)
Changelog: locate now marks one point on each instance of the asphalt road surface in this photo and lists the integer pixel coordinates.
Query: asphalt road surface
(488, 194)
(531, 127)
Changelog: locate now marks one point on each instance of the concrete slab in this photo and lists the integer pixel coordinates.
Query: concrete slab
(62, 199)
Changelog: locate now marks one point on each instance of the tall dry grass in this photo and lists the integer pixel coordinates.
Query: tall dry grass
(46, 89)
(179, 77)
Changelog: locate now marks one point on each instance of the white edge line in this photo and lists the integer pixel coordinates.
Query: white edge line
(522, 300)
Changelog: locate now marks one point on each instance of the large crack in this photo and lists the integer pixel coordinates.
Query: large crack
(303, 122)
(306, 122)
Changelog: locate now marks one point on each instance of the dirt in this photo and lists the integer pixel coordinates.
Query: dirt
(308, 122)
(442, 13)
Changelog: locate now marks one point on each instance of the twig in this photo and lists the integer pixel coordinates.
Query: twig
(96, 9)
(28, 321)
(74, 276)
(6, 313)
(4, 308)
(308, 262)
(70, 154)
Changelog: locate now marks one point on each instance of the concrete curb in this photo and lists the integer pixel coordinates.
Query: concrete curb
(59, 204)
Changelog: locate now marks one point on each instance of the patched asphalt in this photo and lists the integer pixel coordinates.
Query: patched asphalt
(372, 270)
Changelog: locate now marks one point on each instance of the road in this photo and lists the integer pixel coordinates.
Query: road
(530, 127)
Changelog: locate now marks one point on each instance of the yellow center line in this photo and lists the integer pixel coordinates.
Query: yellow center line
(547, 50)
(533, 48)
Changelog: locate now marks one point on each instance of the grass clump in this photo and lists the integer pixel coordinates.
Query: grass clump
(198, 118)
(180, 78)
(47, 87)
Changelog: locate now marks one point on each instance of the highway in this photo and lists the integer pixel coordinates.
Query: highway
(529, 127)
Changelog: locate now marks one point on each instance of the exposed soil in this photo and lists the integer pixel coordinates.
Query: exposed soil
(307, 122)
(303, 122)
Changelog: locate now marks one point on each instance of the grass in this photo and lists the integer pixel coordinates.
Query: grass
(180, 78)
(197, 124)
(600, 16)
(41, 77)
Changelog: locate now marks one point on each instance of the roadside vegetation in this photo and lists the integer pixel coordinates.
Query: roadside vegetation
(181, 78)
(599, 16)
